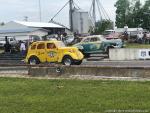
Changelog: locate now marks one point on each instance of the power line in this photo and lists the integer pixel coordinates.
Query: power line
(103, 10)
(60, 10)
(72, 7)
(96, 5)
(70, 14)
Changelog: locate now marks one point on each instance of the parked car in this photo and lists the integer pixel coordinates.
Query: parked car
(12, 41)
(111, 35)
(69, 39)
(107, 32)
(53, 51)
(97, 44)
(2, 42)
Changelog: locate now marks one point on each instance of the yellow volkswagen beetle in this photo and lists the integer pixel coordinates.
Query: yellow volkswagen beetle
(53, 51)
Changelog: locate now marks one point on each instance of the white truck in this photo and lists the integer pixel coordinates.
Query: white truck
(12, 41)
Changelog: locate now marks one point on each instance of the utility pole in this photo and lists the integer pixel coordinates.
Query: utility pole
(70, 14)
(26, 18)
(40, 11)
(94, 11)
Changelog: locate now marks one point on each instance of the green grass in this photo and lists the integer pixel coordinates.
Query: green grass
(72, 96)
(136, 45)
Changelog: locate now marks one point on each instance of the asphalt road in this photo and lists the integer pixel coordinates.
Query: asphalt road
(104, 62)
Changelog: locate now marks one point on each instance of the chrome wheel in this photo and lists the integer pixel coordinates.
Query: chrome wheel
(33, 61)
(67, 61)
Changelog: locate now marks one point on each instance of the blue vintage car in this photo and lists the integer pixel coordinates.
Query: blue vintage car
(97, 44)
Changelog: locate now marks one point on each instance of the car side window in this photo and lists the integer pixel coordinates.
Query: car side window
(41, 46)
(95, 39)
(33, 47)
(51, 46)
(98, 39)
(87, 40)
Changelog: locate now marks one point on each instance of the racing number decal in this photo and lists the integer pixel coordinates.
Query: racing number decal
(52, 54)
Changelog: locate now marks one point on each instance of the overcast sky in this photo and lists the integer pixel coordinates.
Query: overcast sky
(17, 9)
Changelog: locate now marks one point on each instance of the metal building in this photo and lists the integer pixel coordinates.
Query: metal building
(26, 30)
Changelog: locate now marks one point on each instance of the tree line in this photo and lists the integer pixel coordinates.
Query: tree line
(133, 13)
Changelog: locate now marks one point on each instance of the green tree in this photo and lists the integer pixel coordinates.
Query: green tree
(132, 13)
(146, 15)
(101, 26)
(137, 14)
(123, 9)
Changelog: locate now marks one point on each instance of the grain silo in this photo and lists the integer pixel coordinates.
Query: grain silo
(81, 21)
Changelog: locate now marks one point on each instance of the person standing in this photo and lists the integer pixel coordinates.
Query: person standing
(148, 37)
(7, 47)
(140, 36)
(126, 32)
(22, 48)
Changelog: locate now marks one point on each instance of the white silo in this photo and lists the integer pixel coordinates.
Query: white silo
(81, 21)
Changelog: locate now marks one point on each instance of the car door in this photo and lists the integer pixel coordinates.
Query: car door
(41, 52)
(52, 52)
(95, 44)
(86, 45)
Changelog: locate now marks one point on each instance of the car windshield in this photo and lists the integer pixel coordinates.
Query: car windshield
(60, 44)
(86, 40)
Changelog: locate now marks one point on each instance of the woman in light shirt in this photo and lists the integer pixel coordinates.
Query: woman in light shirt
(22, 48)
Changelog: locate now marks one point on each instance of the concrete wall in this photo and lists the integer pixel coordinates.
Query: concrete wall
(129, 54)
(92, 71)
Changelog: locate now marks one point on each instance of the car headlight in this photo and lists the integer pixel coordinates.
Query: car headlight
(80, 47)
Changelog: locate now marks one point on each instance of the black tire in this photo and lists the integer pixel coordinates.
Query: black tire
(78, 63)
(107, 50)
(67, 60)
(33, 61)
(81, 50)
(86, 55)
